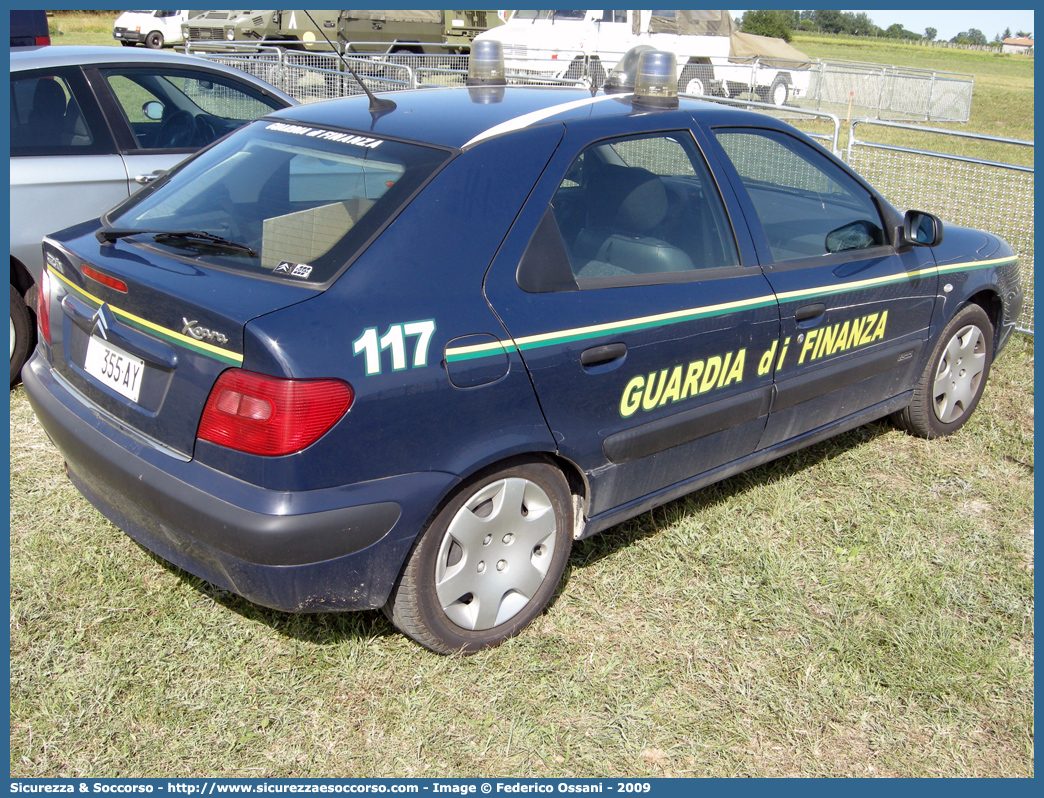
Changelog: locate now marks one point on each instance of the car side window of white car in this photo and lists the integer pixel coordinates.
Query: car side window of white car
(45, 115)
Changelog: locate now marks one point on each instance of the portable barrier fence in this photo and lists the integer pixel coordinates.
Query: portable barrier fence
(994, 195)
(850, 88)
(820, 125)
(843, 88)
(968, 191)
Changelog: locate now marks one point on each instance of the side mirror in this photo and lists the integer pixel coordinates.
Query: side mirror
(153, 110)
(920, 229)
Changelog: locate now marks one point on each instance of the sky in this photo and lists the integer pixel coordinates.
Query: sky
(951, 22)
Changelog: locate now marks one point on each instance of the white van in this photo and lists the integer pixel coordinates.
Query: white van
(714, 58)
(151, 28)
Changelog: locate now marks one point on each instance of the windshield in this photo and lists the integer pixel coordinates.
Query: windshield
(287, 201)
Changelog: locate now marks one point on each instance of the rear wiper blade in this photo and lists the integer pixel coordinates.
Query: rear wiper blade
(109, 234)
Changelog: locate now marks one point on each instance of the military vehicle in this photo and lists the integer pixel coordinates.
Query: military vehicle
(713, 56)
(382, 31)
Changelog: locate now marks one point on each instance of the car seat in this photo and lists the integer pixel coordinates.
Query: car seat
(626, 205)
(47, 117)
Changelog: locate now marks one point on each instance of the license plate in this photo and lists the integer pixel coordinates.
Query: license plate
(114, 367)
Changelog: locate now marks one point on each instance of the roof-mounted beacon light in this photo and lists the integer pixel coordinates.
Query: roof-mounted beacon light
(621, 79)
(656, 81)
(486, 64)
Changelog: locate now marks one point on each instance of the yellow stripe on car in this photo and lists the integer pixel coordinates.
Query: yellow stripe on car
(210, 350)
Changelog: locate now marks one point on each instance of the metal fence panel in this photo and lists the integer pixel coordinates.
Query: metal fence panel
(886, 92)
(951, 100)
(819, 125)
(989, 196)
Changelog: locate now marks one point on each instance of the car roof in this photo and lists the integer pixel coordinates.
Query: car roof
(459, 117)
(23, 58)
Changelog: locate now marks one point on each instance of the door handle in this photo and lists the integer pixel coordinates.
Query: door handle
(809, 315)
(602, 354)
(144, 180)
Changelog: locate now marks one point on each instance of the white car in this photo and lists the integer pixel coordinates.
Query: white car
(91, 125)
(151, 28)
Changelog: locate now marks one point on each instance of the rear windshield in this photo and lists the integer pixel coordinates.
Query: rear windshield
(280, 200)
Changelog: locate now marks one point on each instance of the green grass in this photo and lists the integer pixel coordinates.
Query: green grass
(863, 607)
(82, 27)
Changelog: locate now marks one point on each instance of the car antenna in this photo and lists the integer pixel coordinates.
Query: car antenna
(379, 106)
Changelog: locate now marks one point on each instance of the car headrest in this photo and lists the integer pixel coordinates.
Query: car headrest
(633, 199)
(48, 99)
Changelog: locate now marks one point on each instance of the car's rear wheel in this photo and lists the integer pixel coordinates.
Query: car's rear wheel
(489, 563)
(154, 41)
(696, 79)
(779, 92)
(22, 334)
(953, 381)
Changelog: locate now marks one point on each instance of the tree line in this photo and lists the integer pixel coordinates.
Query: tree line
(782, 24)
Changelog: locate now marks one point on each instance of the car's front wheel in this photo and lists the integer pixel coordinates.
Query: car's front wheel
(22, 334)
(489, 563)
(154, 41)
(952, 383)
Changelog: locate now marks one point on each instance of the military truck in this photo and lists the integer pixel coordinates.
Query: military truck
(413, 31)
(383, 31)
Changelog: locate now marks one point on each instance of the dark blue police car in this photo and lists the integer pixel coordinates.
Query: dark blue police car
(355, 356)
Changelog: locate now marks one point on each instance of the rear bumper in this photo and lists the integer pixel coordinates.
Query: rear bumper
(309, 551)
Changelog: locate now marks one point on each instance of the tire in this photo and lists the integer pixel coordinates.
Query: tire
(949, 389)
(696, 79)
(23, 335)
(154, 41)
(489, 563)
(779, 92)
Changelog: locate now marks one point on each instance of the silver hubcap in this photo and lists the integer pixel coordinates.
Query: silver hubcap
(779, 94)
(495, 554)
(12, 336)
(959, 374)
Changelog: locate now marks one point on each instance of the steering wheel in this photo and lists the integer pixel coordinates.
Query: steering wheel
(178, 130)
(206, 131)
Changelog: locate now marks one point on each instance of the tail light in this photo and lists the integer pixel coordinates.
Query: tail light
(269, 416)
(43, 306)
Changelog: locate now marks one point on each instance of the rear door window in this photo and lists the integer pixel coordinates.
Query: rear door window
(634, 208)
(49, 115)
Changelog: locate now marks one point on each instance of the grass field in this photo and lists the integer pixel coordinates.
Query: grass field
(864, 607)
